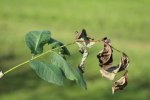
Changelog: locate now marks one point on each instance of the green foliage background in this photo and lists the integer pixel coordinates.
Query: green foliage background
(126, 22)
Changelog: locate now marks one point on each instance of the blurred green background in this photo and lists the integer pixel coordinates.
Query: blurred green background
(125, 22)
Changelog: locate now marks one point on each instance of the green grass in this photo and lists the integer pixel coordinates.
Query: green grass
(126, 22)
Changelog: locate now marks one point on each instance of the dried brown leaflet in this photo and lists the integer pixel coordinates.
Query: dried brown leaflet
(84, 42)
(121, 83)
(105, 59)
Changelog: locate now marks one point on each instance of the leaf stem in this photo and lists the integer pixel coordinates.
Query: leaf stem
(100, 41)
(38, 56)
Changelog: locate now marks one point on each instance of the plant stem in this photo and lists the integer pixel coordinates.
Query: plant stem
(33, 58)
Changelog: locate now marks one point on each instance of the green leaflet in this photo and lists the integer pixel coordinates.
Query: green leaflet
(69, 72)
(79, 78)
(56, 44)
(35, 40)
(48, 72)
(61, 63)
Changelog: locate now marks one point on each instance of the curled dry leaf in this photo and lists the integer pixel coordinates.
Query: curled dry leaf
(105, 55)
(106, 59)
(1, 74)
(107, 74)
(121, 83)
(124, 63)
(84, 42)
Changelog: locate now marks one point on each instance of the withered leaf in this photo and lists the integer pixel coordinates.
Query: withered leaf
(82, 34)
(84, 42)
(124, 63)
(105, 60)
(110, 71)
(107, 74)
(121, 83)
(105, 56)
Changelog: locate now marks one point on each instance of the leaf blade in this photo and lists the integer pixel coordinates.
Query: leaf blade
(35, 40)
(48, 72)
(59, 61)
(80, 79)
(69, 72)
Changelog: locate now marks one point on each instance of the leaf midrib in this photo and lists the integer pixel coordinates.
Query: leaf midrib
(38, 39)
